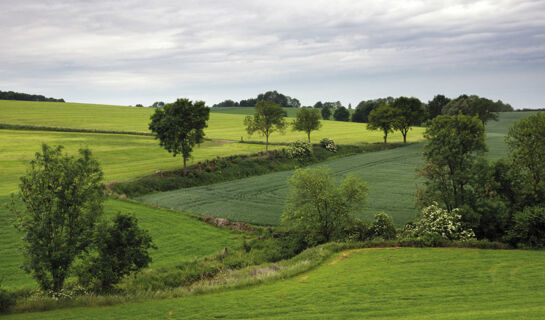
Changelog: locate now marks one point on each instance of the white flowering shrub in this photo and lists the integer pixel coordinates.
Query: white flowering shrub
(299, 150)
(439, 222)
(328, 144)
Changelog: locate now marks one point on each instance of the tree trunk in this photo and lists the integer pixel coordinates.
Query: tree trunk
(267, 144)
(405, 137)
(185, 166)
(308, 133)
(385, 136)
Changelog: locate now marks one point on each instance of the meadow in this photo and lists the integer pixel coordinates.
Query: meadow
(390, 175)
(221, 126)
(391, 283)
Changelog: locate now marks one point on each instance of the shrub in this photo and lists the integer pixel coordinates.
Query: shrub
(328, 144)
(7, 299)
(300, 150)
(383, 226)
(528, 229)
(360, 230)
(436, 222)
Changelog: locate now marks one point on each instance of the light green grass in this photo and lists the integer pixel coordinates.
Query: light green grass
(220, 126)
(390, 175)
(122, 157)
(177, 236)
(404, 283)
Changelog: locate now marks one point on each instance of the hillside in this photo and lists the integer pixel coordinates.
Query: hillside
(405, 283)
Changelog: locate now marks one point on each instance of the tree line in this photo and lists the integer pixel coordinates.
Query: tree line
(10, 95)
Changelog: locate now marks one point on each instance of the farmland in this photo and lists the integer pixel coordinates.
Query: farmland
(403, 283)
(390, 175)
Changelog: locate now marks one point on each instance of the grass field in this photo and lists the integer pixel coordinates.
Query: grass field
(177, 236)
(122, 157)
(292, 112)
(220, 126)
(390, 176)
(404, 283)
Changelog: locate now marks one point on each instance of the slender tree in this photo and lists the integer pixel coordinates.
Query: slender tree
(411, 113)
(267, 119)
(307, 120)
(383, 118)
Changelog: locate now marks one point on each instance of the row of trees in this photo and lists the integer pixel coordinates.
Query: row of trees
(10, 95)
(272, 96)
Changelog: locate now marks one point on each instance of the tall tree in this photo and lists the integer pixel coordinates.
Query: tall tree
(326, 112)
(341, 114)
(179, 126)
(318, 105)
(62, 197)
(268, 118)
(411, 113)
(436, 105)
(307, 120)
(383, 118)
(473, 105)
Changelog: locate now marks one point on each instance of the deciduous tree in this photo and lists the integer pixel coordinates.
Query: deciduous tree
(411, 113)
(267, 119)
(383, 118)
(307, 120)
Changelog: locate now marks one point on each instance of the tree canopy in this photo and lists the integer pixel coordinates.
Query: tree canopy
(341, 114)
(267, 119)
(473, 105)
(436, 105)
(307, 120)
(383, 118)
(179, 126)
(411, 113)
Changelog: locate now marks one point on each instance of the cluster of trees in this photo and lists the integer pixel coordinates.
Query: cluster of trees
(273, 96)
(501, 200)
(10, 95)
(62, 223)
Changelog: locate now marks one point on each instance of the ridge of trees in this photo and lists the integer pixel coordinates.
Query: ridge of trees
(273, 96)
(11, 95)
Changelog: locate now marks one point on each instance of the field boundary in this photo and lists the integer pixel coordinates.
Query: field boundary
(7, 126)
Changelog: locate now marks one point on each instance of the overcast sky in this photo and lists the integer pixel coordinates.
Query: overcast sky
(129, 52)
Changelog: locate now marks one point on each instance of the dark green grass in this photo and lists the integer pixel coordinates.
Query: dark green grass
(390, 175)
(178, 237)
(404, 283)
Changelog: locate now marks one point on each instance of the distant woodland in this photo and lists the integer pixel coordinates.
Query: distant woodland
(10, 95)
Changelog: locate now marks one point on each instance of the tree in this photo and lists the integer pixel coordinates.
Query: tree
(473, 105)
(121, 248)
(158, 104)
(268, 118)
(526, 141)
(226, 103)
(307, 120)
(436, 105)
(318, 105)
(383, 118)
(454, 143)
(62, 197)
(411, 113)
(179, 126)
(361, 113)
(326, 113)
(341, 114)
(320, 209)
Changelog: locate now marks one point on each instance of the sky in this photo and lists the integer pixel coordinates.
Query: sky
(129, 52)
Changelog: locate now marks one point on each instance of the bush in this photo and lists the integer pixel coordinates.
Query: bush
(436, 222)
(300, 150)
(360, 230)
(383, 226)
(528, 229)
(7, 300)
(328, 144)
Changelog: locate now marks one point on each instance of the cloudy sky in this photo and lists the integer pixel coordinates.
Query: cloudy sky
(129, 52)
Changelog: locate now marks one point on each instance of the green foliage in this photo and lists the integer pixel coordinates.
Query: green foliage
(383, 118)
(526, 141)
(180, 125)
(7, 299)
(473, 105)
(268, 118)
(328, 144)
(341, 114)
(528, 230)
(120, 248)
(307, 120)
(383, 227)
(411, 113)
(436, 105)
(300, 151)
(62, 198)
(364, 108)
(318, 208)
(325, 112)
(437, 222)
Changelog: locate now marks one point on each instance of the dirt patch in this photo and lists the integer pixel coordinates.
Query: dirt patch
(221, 222)
(343, 256)
(303, 278)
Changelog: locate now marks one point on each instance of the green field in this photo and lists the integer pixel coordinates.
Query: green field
(390, 176)
(220, 126)
(177, 236)
(292, 112)
(404, 283)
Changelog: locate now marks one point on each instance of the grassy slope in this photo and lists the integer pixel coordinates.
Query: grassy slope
(405, 283)
(292, 112)
(390, 175)
(220, 126)
(122, 157)
(177, 236)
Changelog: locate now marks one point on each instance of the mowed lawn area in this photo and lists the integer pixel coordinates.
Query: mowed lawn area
(392, 283)
(390, 175)
(178, 237)
(221, 126)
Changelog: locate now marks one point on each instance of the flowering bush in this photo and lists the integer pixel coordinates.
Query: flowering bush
(438, 222)
(328, 144)
(299, 150)
(383, 227)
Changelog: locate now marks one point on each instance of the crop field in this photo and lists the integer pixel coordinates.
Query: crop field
(177, 236)
(122, 157)
(394, 283)
(390, 175)
(220, 126)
